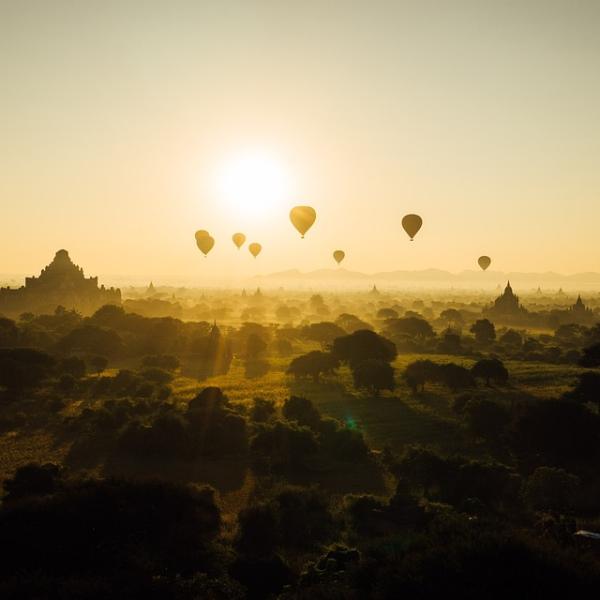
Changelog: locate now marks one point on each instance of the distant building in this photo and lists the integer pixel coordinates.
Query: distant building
(506, 305)
(61, 283)
(579, 313)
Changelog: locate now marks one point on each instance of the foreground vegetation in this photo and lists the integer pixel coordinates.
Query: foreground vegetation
(344, 455)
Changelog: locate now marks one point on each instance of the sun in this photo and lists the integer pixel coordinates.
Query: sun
(253, 183)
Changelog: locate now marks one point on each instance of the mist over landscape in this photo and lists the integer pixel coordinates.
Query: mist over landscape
(299, 300)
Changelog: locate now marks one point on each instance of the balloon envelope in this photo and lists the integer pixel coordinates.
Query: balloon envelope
(238, 239)
(201, 233)
(338, 256)
(302, 218)
(412, 224)
(205, 244)
(255, 249)
(484, 262)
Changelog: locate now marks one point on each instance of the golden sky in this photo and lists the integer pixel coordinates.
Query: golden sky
(121, 125)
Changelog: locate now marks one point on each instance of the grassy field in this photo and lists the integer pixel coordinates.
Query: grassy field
(392, 420)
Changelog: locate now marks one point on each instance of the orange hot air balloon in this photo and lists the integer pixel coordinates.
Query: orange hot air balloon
(412, 224)
(484, 262)
(302, 218)
(338, 256)
(255, 249)
(205, 243)
(238, 239)
(201, 233)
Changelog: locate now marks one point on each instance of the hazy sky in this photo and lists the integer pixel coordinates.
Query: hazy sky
(117, 120)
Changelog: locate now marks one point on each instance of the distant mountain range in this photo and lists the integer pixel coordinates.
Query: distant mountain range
(436, 277)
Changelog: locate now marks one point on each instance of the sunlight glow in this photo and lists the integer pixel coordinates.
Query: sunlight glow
(253, 184)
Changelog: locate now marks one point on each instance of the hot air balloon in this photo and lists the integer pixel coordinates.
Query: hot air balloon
(302, 218)
(484, 262)
(201, 233)
(238, 239)
(205, 243)
(412, 224)
(338, 256)
(255, 249)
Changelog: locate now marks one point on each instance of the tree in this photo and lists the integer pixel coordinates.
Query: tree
(486, 419)
(374, 374)
(419, 373)
(301, 410)
(9, 333)
(591, 356)
(156, 375)
(549, 488)
(92, 339)
(559, 430)
(412, 327)
(484, 331)
(450, 343)
(511, 338)
(587, 388)
(262, 410)
(162, 361)
(363, 345)
(24, 368)
(490, 369)
(98, 363)
(387, 313)
(324, 332)
(422, 466)
(453, 317)
(351, 323)
(313, 364)
(72, 365)
(455, 377)
(255, 346)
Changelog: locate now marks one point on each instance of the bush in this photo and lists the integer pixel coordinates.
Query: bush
(167, 362)
(548, 488)
(301, 410)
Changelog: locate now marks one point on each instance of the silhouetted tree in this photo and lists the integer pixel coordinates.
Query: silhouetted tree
(486, 419)
(419, 373)
(455, 377)
(452, 317)
(412, 327)
(484, 331)
(373, 374)
(511, 338)
(161, 361)
(313, 364)
(387, 313)
(255, 346)
(324, 332)
(363, 345)
(490, 369)
(549, 488)
(301, 410)
(591, 356)
(92, 339)
(98, 363)
(262, 410)
(9, 333)
(24, 368)
(587, 388)
(73, 365)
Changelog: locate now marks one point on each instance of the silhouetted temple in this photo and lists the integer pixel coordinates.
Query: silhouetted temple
(506, 305)
(580, 313)
(61, 283)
